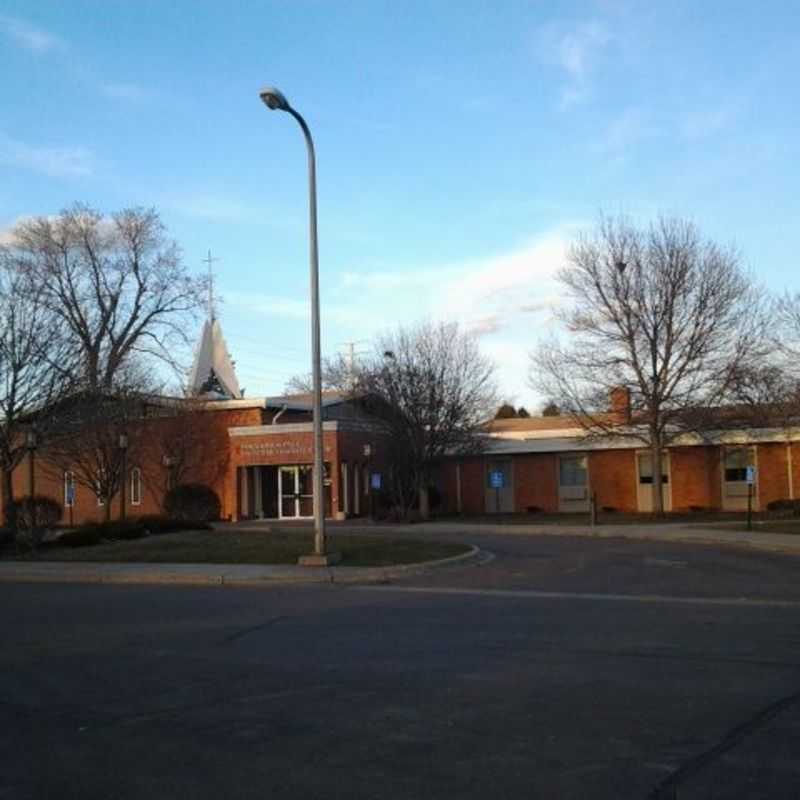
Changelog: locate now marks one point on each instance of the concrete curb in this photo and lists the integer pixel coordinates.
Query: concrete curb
(221, 574)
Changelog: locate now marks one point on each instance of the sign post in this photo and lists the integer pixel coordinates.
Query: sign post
(497, 480)
(750, 477)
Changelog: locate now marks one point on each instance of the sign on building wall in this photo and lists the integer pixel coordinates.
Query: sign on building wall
(277, 451)
(497, 479)
(750, 475)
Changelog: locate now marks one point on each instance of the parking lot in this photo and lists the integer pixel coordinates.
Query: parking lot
(563, 667)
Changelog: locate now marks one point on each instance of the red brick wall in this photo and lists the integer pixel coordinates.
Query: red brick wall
(695, 475)
(473, 493)
(612, 477)
(207, 432)
(773, 476)
(536, 482)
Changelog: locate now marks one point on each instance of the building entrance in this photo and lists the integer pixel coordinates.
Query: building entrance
(296, 493)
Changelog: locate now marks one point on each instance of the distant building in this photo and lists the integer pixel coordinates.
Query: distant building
(256, 453)
(548, 464)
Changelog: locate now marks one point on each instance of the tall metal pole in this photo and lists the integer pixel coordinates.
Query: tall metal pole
(316, 367)
(123, 484)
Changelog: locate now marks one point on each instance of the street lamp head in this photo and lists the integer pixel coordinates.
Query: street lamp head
(273, 99)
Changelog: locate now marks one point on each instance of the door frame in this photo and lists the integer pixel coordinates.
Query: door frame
(644, 496)
(291, 469)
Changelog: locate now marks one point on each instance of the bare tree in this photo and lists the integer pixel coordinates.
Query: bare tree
(663, 316)
(338, 374)
(116, 282)
(93, 435)
(430, 391)
(35, 368)
(184, 448)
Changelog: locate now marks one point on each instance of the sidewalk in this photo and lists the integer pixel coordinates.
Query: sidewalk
(217, 574)
(664, 532)
(691, 533)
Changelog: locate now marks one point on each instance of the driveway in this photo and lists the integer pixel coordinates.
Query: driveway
(564, 668)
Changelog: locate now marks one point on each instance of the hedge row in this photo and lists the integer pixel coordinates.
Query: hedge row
(119, 530)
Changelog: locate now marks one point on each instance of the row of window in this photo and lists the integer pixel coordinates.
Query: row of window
(70, 489)
(573, 470)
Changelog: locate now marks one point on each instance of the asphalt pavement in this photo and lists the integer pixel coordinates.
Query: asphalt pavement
(563, 668)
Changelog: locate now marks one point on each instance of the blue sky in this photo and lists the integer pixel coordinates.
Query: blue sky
(460, 147)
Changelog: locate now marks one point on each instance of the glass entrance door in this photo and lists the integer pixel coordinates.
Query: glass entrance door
(295, 492)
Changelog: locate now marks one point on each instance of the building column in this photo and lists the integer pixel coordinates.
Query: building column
(244, 500)
(258, 506)
(345, 489)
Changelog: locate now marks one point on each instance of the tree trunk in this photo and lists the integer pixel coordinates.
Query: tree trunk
(107, 509)
(658, 485)
(424, 503)
(9, 509)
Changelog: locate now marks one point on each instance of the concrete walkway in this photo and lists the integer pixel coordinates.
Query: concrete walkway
(253, 574)
(663, 532)
(694, 533)
(217, 574)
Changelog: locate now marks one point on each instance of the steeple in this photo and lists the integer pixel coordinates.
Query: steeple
(212, 374)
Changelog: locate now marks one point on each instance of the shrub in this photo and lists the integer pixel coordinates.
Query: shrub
(156, 525)
(46, 510)
(192, 501)
(85, 536)
(697, 509)
(608, 509)
(95, 532)
(434, 497)
(533, 510)
(792, 506)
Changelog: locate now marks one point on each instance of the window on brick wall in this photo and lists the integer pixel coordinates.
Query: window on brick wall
(69, 489)
(737, 460)
(572, 471)
(136, 486)
(646, 469)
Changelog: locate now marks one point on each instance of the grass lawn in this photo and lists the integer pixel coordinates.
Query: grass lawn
(770, 526)
(210, 547)
(603, 518)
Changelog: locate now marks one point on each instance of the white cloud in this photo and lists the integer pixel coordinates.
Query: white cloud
(627, 129)
(125, 91)
(28, 36)
(706, 122)
(56, 162)
(215, 206)
(575, 51)
(504, 300)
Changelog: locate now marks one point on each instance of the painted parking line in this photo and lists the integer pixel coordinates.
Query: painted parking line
(529, 594)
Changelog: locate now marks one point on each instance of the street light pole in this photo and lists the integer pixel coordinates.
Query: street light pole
(123, 447)
(30, 443)
(274, 100)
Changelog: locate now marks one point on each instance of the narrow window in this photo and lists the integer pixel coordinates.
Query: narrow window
(572, 471)
(136, 486)
(98, 488)
(646, 469)
(737, 460)
(69, 489)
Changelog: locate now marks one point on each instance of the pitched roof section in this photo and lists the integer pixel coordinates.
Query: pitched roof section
(212, 374)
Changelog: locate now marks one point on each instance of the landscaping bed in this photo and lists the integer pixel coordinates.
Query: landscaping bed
(254, 547)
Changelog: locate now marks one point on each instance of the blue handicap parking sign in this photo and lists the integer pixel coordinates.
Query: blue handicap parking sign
(376, 480)
(751, 475)
(497, 479)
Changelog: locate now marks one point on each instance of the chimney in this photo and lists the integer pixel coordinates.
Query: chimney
(620, 405)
